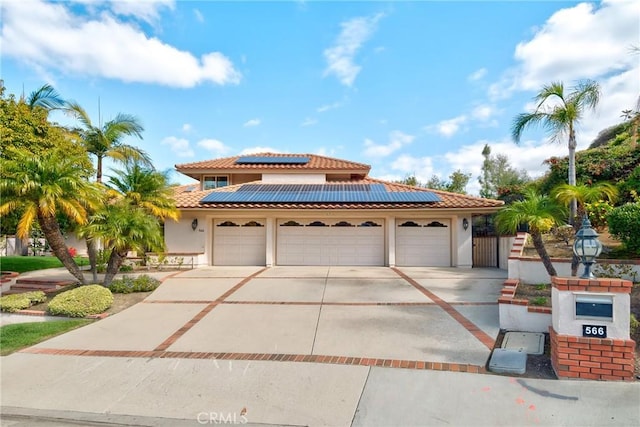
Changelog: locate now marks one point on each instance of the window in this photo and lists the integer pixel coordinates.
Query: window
(211, 182)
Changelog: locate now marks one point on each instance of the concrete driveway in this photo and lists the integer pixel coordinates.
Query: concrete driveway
(392, 315)
(297, 346)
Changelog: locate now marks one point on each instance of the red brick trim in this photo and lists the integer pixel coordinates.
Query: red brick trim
(302, 358)
(198, 317)
(592, 358)
(591, 285)
(507, 296)
(466, 323)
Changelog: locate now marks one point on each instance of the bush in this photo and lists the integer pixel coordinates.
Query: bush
(634, 324)
(624, 225)
(564, 233)
(82, 301)
(598, 212)
(15, 302)
(127, 285)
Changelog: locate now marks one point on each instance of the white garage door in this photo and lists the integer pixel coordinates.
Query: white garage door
(239, 242)
(423, 243)
(330, 242)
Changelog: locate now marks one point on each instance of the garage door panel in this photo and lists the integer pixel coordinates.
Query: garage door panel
(239, 242)
(423, 243)
(330, 244)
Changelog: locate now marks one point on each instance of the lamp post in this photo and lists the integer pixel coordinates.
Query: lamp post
(587, 247)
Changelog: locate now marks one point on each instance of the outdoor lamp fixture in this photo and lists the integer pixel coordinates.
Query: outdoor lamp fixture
(587, 247)
(194, 224)
(465, 223)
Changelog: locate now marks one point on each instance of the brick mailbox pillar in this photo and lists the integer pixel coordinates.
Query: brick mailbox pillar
(590, 329)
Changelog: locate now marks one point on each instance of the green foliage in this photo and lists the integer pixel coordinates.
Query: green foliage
(126, 268)
(15, 302)
(598, 212)
(498, 174)
(22, 264)
(542, 286)
(615, 271)
(606, 135)
(82, 301)
(20, 335)
(624, 225)
(634, 324)
(539, 301)
(456, 184)
(127, 285)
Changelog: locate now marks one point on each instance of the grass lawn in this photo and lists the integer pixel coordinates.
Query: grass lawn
(18, 336)
(31, 263)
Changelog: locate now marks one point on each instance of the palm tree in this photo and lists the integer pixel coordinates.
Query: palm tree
(123, 227)
(145, 188)
(559, 113)
(106, 140)
(540, 213)
(41, 185)
(583, 194)
(45, 97)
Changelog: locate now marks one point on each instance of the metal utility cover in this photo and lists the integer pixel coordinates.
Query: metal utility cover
(528, 342)
(505, 361)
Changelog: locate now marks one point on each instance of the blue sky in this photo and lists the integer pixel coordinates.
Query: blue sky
(407, 87)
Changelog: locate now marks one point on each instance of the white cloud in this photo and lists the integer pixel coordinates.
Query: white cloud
(309, 121)
(213, 145)
(449, 127)
(340, 57)
(483, 112)
(251, 123)
(179, 146)
(49, 36)
(397, 140)
(327, 107)
(420, 167)
(147, 10)
(256, 150)
(198, 15)
(477, 75)
(583, 41)
(186, 128)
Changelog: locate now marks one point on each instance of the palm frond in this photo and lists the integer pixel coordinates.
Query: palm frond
(45, 97)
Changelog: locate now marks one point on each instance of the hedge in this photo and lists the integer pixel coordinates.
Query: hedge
(82, 301)
(15, 302)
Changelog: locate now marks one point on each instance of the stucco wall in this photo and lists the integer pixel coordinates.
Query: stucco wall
(180, 237)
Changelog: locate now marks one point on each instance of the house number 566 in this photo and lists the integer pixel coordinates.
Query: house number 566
(595, 331)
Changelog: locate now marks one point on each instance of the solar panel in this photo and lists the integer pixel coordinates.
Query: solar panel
(318, 193)
(271, 160)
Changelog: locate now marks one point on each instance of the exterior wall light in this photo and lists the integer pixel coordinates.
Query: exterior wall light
(587, 247)
(465, 223)
(194, 224)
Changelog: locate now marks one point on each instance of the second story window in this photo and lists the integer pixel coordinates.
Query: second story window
(218, 181)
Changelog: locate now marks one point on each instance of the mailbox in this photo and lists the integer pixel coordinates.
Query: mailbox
(594, 307)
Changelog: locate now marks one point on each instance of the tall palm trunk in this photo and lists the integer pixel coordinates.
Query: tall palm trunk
(51, 230)
(536, 236)
(572, 174)
(93, 258)
(115, 261)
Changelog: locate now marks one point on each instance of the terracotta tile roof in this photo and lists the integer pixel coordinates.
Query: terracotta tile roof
(186, 199)
(316, 162)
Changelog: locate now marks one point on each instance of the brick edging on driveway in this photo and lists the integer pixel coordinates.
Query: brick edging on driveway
(268, 357)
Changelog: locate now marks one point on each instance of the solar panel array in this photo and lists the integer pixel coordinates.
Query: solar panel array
(318, 193)
(271, 160)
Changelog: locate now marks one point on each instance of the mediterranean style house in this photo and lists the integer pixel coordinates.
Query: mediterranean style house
(304, 209)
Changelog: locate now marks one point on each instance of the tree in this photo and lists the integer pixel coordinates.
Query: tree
(583, 194)
(498, 174)
(106, 141)
(540, 213)
(457, 182)
(42, 185)
(559, 113)
(123, 227)
(145, 188)
(45, 97)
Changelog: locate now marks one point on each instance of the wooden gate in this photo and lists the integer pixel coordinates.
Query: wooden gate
(486, 242)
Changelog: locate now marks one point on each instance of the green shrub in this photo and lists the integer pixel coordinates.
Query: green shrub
(634, 324)
(126, 268)
(127, 284)
(82, 301)
(624, 225)
(539, 301)
(15, 302)
(598, 212)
